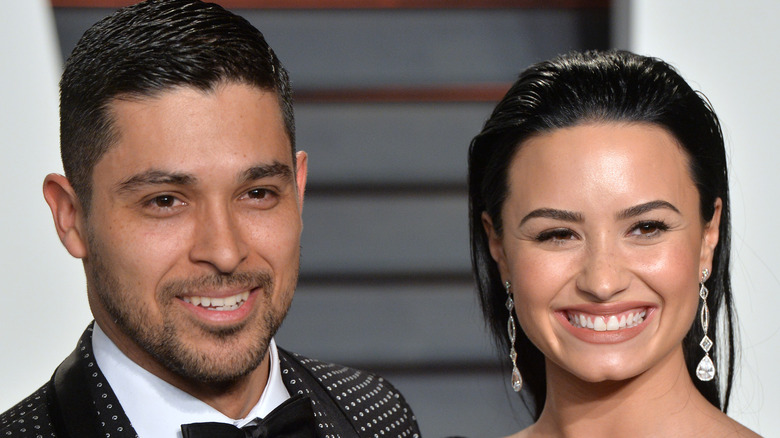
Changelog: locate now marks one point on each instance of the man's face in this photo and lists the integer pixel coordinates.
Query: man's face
(194, 231)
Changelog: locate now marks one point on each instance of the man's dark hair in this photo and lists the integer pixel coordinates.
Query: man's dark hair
(145, 49)
(610, 86)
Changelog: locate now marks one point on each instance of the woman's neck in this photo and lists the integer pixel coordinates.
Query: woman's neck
(659, 402)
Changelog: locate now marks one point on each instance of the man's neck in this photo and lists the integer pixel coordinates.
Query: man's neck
(233, 399)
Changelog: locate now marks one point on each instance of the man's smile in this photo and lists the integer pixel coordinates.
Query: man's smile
(222, 304)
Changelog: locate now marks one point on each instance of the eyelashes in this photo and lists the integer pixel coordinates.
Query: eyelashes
(557, 235)
(649, 228)
(644, 229)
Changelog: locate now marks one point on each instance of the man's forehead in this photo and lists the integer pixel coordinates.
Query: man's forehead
(177, 132)
(175, 106)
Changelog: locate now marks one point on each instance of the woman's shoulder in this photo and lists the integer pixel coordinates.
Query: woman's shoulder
(525, 433)
(737, 430)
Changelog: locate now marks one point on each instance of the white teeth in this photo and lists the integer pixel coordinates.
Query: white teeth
(221, 304)
(607, 323)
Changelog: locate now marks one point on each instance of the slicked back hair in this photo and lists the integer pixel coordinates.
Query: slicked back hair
(595, 87)
(143, 50)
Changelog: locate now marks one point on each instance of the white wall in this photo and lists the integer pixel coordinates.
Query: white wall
(44, 306)
(730, 50)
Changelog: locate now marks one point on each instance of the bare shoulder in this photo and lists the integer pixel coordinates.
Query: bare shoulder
(728, 427)
(740, 431)
(525, 433)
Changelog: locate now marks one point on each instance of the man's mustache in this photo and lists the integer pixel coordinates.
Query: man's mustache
(207, 284)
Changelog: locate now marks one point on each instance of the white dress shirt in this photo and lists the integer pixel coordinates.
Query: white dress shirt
(158, 409)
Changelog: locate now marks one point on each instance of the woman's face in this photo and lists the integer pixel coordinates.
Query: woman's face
(604, 245)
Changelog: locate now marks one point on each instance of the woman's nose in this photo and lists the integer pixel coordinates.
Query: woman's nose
(603, 274)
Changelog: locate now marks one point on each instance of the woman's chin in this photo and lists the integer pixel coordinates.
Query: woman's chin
(598, 371)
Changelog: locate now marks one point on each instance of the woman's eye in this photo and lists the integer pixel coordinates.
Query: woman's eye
(558, 235)
(649, 229)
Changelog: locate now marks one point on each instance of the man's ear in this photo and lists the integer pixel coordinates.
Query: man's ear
(301, 163)
(496, 246)
(67, 214)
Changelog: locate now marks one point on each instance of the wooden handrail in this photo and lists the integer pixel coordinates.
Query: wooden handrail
(364, 4)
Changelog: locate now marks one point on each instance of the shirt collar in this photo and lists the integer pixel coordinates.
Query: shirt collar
(158, 409)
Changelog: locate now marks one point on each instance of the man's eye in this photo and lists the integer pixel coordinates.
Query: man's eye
(164, 201)
(264, 196)
(258, 193)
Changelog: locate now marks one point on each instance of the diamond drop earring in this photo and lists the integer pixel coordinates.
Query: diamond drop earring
(705, 371)
(517, 379)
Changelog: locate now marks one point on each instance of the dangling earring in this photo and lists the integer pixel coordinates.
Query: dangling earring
(705, 371)
(517, 379)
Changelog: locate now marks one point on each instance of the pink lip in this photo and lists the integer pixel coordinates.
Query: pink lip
(222, 317)
(607, 308)
(605, 337)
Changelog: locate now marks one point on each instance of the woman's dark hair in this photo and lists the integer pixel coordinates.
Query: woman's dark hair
(594, 87)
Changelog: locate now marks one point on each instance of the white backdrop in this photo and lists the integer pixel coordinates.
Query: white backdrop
(730, 50)
(44, 305)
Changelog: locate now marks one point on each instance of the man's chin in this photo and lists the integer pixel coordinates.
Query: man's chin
(221, 357)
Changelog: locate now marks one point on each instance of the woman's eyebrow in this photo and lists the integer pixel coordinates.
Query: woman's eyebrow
(644, 208)
(552, 213)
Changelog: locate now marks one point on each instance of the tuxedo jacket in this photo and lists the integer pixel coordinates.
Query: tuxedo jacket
(78, 402)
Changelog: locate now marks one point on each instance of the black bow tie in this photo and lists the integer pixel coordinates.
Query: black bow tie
(292, 419)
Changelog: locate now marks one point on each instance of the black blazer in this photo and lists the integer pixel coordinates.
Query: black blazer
(78, 402)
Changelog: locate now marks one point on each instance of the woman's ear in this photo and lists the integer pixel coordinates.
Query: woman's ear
(496, 246)
(710, 237)
(67, 214)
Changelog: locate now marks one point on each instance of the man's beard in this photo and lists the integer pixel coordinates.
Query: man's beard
(163, 339)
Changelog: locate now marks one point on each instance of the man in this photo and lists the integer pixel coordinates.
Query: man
(182, 195)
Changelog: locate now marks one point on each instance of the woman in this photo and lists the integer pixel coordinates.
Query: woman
(599, 216)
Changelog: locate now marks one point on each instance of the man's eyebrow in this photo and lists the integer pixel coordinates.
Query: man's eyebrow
(154, 177)
(552, 213)
(644, 208)
(275, 169)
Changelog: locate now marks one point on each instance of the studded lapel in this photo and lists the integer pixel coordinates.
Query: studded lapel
(347, 402)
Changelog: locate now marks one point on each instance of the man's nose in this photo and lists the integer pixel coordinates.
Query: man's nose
(602, 273)
(218, 239)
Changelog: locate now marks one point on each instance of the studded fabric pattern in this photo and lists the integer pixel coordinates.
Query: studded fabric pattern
(347, 403)
(29, 418)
